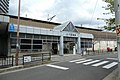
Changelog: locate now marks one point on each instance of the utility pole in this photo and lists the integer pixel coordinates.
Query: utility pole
(17, 43)
(117, 22)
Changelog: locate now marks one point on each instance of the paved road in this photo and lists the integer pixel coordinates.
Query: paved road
(90, 68)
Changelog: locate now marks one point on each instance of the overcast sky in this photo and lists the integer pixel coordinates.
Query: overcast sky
(77, 11)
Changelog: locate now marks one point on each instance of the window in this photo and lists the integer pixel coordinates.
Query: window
(25, 46)
(43, 37)
(22, 35)
(37, 46)
(26, 41)
(28, 35)
(37, 41)
(13, 34)
(36, 36)
(13, 41)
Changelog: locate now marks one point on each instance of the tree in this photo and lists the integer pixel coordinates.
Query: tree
(110, 6)
(110, 22)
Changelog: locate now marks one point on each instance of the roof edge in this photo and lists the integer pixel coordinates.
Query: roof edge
(36, 20)
(88, 28)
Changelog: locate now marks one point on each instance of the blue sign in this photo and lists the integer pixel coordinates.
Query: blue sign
(11, 28)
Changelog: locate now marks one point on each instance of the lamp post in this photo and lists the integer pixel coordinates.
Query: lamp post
(17, 43)
(117, 22)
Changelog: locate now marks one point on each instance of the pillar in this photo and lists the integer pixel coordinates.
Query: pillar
(61, 46)
(79, 45)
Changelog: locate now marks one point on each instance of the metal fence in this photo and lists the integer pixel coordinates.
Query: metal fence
(36, 58)
(6, 61)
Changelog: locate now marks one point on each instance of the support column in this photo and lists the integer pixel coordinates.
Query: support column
(118, 47)
(117, 22)
(79, 45)
(61, 46)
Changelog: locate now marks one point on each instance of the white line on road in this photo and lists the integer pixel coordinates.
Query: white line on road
(77, 60)
(110, 65)
(87, 63)
(113, 58)
(58, 67)
(101, 63)
(84, 61)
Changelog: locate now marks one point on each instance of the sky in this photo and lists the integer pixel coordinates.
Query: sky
(79, 12)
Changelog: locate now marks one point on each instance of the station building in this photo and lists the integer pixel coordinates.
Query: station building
(38, 36)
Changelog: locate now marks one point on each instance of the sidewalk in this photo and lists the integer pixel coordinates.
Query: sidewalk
(54, 59)
(57, 59)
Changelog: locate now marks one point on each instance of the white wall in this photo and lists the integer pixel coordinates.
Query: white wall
(102, 45)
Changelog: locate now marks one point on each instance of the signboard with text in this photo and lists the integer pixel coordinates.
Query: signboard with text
(27, 59)
(118, 30)
(11, 28)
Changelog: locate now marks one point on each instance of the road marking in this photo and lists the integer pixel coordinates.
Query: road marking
(77, 60)
(113, 58)
(84, 61)
(87, 63)
(101, 63)
(58, 67)
(110, 65)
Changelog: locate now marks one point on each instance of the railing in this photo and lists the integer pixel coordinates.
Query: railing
(6, 61)
(37, 58)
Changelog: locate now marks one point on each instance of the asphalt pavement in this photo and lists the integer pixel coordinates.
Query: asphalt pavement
(68, 67)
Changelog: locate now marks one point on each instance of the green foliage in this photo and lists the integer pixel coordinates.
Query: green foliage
(110, 5)
(110, 22)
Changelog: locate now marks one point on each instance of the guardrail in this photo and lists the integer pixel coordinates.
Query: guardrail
(41, 56)
(6, 61)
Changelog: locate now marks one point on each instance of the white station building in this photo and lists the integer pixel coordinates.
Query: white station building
(60, 39)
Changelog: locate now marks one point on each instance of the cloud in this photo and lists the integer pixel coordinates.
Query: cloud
(13, 7)
(77, 11)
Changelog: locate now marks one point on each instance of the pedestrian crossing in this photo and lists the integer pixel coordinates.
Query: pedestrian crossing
(105, 64)
(101, 63)
(88, 63)
(84, 61)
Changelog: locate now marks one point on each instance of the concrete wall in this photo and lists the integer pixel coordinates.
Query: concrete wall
(102, 45)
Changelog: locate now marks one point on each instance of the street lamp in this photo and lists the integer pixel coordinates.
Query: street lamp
(17, 43)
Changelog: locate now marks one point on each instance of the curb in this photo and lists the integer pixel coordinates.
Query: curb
(22, 67)
(11, 68)
(112, 76)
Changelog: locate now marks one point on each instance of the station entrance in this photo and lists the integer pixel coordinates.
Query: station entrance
(55, 48)
(69, 43)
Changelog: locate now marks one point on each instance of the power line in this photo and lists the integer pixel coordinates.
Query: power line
(93, 12)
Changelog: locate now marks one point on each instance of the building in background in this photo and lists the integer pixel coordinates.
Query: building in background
(4, 6)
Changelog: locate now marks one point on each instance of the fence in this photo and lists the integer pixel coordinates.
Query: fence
(6, 61)
(31, 58)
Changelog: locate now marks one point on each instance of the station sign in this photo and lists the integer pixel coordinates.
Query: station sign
(11, 28)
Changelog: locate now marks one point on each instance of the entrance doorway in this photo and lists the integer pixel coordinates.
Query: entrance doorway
(54, 48)
(68, 47)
